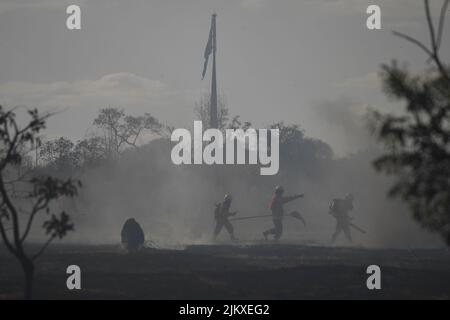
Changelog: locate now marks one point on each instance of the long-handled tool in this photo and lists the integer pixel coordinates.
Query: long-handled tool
(250, 217)
(354, 226)
(294, 214)
(357, 228)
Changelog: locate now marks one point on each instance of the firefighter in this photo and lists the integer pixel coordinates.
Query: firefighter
(132, 235)
(221, 214)
(276, 206)
(339, 209)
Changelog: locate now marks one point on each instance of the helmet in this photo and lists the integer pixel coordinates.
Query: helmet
(349, 197)
(279, 190)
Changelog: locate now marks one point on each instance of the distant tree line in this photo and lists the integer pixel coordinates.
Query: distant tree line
(117, 132)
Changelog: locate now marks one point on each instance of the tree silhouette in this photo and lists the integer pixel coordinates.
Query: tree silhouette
(58, 152)
(24, 196)
(202, 111)
(417, 142)
(124, 130)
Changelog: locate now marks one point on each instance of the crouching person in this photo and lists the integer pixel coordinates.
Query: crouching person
(132, 235)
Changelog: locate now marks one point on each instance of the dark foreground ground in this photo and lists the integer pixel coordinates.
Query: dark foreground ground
(233, 272)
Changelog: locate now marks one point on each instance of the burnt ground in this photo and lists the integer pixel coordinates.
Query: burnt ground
(277, 271)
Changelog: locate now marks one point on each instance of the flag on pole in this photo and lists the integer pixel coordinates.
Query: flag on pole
(209, 47)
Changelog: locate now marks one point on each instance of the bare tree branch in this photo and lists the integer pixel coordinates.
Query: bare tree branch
(433, 53)
(5, 238)
(13, 212)
(415, 41)
(442, 22)
(41, 251)
(38, 206)
(430, 26)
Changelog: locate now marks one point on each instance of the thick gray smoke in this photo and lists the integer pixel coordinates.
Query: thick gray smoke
(175, 204)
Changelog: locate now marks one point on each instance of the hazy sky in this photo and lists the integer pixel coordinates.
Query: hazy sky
(311, 62)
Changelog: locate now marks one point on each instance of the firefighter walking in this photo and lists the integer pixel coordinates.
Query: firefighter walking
(339, 209)
(221, 214)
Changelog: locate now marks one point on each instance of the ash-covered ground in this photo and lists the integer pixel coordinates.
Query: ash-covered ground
(252, 271)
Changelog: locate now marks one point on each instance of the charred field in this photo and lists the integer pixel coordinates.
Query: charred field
(254, 271)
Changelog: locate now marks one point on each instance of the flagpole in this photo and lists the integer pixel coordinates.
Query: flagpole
(213, 102)
(214, 122)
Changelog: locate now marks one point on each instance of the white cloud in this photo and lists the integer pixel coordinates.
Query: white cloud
(117, 89)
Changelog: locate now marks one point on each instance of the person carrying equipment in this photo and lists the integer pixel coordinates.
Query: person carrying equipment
(221, 215)
(339, 208)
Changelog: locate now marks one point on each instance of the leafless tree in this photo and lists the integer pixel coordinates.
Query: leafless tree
(202, 110)
(124, 130)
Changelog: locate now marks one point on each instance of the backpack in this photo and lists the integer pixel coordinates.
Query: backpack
(217, 211)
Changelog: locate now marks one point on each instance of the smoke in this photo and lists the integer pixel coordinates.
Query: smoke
(346, 121)
(175, 204)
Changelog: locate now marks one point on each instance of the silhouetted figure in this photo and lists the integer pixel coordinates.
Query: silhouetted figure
(132, 235)
(221, 214)
(339, 209)
(276, 205)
